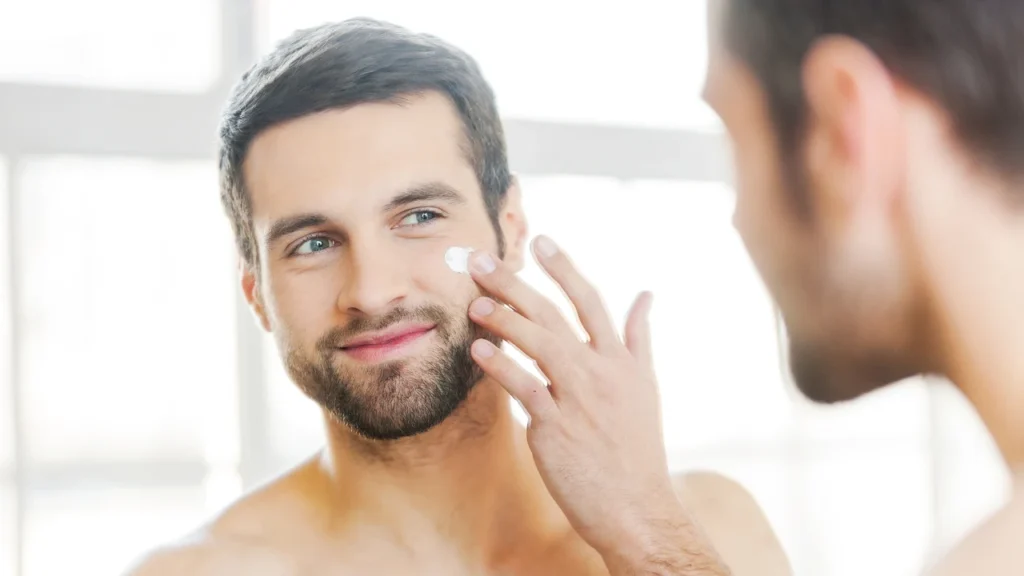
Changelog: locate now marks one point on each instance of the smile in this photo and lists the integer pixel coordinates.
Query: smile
(387, 345)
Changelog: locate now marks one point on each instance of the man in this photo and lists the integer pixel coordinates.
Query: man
(878, 146)
(352, 158)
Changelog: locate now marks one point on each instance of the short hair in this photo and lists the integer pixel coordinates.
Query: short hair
(965, 55)
(343, 64)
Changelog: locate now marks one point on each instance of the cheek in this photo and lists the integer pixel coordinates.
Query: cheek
(425, 259)
(436, 280)
(756, 212)
(760, 236)
(304, 302)
(779, 244)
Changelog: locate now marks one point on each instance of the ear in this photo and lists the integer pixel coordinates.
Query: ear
(854, 147)
(251, 289)
(512, 221)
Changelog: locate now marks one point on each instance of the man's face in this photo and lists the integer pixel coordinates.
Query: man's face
(821, 223)
(354, 210)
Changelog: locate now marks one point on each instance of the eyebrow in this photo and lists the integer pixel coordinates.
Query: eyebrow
(423, 193)
(292, 224)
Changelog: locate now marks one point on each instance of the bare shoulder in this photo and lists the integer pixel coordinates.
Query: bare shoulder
(734, 522)
(252, 536)
(996, 548)
(211, 556)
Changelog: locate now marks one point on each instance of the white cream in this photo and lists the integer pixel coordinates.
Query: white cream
(457, 258)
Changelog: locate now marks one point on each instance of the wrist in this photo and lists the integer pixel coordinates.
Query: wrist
(668, 543)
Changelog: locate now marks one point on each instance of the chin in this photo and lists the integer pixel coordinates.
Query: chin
(829, 390)
(830, 378)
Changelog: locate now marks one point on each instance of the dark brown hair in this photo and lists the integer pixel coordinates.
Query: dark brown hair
(344, 64)
(965, 55)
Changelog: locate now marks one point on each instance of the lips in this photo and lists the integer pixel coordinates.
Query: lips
(386, 344)
(389, 336)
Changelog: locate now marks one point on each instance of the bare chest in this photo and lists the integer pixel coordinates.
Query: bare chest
(380, 557)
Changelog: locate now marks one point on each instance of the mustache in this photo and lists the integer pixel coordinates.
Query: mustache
(337, 336)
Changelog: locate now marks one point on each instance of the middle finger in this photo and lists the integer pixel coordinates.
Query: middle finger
(496, 278)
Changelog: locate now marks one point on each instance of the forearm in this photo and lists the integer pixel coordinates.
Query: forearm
(676, 547)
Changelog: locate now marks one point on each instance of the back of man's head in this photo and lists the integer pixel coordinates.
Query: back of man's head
(874, 140)
(965, 55)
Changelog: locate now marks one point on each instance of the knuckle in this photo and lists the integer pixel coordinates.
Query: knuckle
(589, 296)
(567, 356)
(500, 365)
(550, 315)
(548, 344)
(504, 321)
(504, 280)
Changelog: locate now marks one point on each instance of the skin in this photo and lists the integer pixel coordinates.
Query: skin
(465, 497)
(907, 262)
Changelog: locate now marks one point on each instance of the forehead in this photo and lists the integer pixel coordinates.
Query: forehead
(717, 56)
(730, 86)
(365, 152)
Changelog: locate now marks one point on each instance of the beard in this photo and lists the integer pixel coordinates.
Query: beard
(830, 377)
(853, 322)
(395, 399)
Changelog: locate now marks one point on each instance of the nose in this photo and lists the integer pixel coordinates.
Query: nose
(376, 281)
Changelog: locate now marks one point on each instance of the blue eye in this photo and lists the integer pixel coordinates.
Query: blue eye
(418, 217)
(314, 245)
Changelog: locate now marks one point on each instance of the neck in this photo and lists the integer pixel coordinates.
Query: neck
(984, 357)
(975, 277)
(470, 480)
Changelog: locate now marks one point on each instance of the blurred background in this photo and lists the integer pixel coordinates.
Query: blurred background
(138, 397)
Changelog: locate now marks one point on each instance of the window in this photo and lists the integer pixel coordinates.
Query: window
(126, 522)
(296, 423)
(571, 60)
(170, 46)
(971, 480)
(8, 500)
(897, 413)
(674, 238)
(865, 513)
(8, 531)
(6, 391)
(126, 293)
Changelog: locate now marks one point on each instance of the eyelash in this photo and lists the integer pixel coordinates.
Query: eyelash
(295, 251)
(435, 215)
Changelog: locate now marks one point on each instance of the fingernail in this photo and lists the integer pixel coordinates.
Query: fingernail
(482, 307)
(545, 247)
(482, 262)
(483, 349)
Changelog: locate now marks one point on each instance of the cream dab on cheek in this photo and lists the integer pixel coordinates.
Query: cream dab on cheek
(457, 259)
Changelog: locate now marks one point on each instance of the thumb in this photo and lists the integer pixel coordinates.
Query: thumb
(638, 329)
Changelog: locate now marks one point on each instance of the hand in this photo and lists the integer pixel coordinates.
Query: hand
(595, 432)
